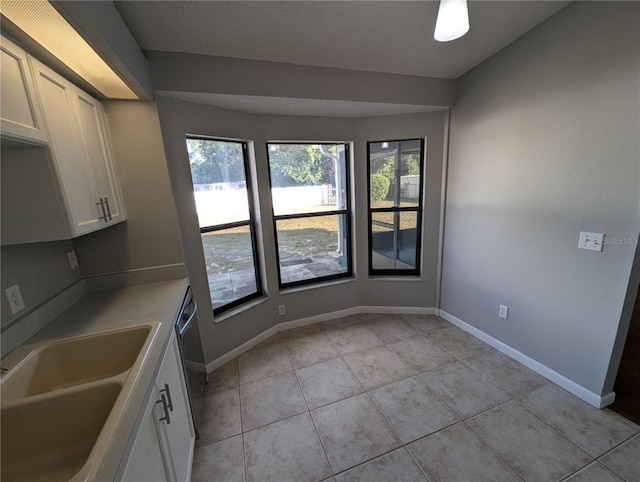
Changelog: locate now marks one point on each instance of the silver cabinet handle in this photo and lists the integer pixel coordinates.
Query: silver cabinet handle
(168, 392)
(106, 200)
(166, 417)
(104, 213)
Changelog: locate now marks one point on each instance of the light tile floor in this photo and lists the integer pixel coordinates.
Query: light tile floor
(400, 398)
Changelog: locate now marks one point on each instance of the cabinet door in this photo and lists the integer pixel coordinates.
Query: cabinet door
(92, 125)
(147, 460)
(180, 431)
(76, 184)
(20, 115)
(80, 151)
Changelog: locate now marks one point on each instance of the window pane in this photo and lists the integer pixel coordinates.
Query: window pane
(219, 182)
(307, 178)
(228, 254)
(394, 240)
(395, 168)
(312, 247)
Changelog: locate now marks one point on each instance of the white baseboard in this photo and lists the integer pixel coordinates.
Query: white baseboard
(227, 357)
(400, 310)
(578, 390)
(287, 325)
(195, 366)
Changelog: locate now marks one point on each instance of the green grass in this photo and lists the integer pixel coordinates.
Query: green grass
(230, 250)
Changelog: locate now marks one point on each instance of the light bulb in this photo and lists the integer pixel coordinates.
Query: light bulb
(453, 20)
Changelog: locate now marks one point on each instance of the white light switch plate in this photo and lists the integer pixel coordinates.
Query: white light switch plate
(591, 241)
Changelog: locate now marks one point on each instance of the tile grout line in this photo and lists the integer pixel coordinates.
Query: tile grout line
(546, 424)
(313, 422)
(404, 446)
(618, 446)
(416, 462)
(565, 436)
(244, 450)
(493, 450)
(485, 442)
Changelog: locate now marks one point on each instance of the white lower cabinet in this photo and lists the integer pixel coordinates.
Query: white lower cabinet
(147, 458)
(163, 447)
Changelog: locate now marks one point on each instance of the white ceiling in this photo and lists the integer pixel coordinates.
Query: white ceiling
(376, 36)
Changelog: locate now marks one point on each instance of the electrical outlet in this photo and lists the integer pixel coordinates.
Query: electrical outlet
(73, 260)
(282, 310)
(503, 312)
(591, 241)
(16, 303)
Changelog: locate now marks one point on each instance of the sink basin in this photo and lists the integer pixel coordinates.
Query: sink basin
(74, 361)
(51, 438)
(63, 401)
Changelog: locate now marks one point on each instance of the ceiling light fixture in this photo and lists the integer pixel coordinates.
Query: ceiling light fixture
(453, 20)
(42, 22)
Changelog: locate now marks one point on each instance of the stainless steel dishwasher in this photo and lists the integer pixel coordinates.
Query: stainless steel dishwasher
(192, 358)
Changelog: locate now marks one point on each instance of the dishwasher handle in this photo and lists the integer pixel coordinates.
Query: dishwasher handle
(187, 324)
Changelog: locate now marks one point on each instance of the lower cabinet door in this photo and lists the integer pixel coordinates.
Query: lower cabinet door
(147, 460)
(163, 446)
(180, 432)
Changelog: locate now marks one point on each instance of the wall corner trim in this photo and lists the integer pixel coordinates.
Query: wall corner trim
(598, 401)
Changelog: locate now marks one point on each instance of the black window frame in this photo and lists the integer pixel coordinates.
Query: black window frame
(251, 222)
(346, 212)
(397, 210)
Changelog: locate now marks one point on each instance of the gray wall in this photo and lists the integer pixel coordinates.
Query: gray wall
(179, 118)
(40, 269)
(150, 236)
(179, 72)
(544, 144)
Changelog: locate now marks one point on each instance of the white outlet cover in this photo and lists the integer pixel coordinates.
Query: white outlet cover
(73, 260)
(591, 241)
(16, 303)
(503, 312)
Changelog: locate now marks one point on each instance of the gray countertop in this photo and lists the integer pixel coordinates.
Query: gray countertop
(115, 309)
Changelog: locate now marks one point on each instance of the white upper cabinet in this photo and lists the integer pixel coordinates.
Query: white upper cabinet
(20, 115)
(80, 151)
(92, 125)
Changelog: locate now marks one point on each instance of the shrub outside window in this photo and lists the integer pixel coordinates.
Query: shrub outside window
(219, 172)
(395, 206)
(310, 196)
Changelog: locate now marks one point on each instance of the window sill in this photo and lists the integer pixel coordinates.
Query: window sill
(239, 309)
(395, 278)
(313, 286)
